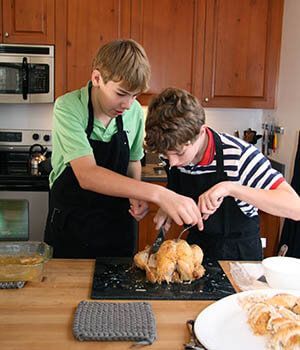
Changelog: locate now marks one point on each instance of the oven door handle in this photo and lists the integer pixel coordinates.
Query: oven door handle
(17, 186)
(25, 78)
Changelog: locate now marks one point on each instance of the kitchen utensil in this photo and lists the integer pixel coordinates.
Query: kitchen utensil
(194, 343)
(23, 261)
(283, 250)
(251, 136)
(158, 241)
(184, 230)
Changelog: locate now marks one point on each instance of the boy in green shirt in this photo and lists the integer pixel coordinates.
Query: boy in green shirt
(97, 147)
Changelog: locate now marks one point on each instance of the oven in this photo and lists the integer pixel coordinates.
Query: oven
(24, 188)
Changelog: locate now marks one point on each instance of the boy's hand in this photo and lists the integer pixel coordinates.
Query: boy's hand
(182, 210)
(161, 218)
(138, 208)
(210, 201)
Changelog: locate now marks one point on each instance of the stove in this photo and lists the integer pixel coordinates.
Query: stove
(24, 189)
(15, 168)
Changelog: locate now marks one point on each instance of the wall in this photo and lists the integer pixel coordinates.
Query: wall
(287, 112)
(39, 116)
(21, 116)
(228, 120)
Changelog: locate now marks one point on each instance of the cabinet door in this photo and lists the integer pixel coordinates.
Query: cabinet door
(28, 21)
(172, 33)
(242, 49)
(82, 27)
(270, 230)
(147, 231)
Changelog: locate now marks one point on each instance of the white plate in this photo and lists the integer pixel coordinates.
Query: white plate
(223, 325)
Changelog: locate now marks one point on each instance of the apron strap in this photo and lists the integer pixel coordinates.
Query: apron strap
(90, 125)
(222, 176)
(219, 154)
(119, 122)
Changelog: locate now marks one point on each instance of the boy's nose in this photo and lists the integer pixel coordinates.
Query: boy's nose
(127, 103)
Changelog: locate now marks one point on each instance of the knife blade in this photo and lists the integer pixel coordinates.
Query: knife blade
(158, 241)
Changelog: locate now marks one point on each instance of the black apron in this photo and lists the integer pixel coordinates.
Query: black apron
(86, 224)
(228, 233)
(291, 228)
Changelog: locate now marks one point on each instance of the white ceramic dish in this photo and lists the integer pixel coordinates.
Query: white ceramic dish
(282, 272)
(223, 325)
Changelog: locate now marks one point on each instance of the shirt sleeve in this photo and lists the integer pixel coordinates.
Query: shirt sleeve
(255, 170)
(69, 130)
(136, 149)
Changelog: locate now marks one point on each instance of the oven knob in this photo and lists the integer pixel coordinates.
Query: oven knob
(46, 137)
(35, 136)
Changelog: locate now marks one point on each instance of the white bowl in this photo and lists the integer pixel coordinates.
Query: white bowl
(282, 272)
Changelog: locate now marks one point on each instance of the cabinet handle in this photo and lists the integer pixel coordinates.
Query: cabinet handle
(6, 35)
(206, 99)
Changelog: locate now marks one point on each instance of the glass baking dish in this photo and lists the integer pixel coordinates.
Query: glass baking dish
(23, 261)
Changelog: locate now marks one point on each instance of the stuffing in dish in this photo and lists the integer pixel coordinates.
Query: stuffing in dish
(277, 317)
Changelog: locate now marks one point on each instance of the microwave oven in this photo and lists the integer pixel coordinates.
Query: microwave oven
(26, 73)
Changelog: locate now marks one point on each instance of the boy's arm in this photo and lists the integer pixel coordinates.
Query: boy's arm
(98, 179)
(282, 201)
(138, 208)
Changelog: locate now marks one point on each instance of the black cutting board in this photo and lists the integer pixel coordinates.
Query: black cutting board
(117, 278)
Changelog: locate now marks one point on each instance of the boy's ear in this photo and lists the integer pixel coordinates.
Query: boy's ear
(203, 129)
(96, 78)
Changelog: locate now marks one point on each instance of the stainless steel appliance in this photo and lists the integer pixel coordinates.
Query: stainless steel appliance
(24, 189)
(26, 73)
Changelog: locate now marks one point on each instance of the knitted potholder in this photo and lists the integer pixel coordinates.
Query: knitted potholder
(106, 321)
(11, 285)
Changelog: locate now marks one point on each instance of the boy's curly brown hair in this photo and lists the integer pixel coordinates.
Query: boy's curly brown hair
(174, 118)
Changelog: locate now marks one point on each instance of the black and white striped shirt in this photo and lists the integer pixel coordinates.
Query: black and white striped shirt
(244, 164)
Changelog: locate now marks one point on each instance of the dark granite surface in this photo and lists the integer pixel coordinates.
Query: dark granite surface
(117, 278)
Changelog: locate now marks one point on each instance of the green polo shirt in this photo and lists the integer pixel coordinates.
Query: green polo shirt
(69, 140)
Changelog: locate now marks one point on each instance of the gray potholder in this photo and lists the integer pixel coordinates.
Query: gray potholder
(106, 321)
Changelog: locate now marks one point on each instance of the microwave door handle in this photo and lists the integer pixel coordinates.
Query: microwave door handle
(25, 78)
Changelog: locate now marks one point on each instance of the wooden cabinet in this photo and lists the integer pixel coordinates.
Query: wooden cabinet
(82, 27)
(226, 52)
(270, 229)
(172, 33)
(241, 53)
(28, 21)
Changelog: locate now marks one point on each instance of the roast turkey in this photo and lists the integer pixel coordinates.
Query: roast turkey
(175, 261)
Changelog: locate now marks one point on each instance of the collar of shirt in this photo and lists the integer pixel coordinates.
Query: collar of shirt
(209, 153)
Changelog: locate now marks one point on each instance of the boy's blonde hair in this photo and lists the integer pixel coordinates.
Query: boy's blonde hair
(124, 60)
(174, 118)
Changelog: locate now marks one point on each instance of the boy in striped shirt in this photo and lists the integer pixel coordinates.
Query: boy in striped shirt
(227, 177)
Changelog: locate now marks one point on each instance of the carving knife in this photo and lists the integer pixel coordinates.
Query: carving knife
(158, 241)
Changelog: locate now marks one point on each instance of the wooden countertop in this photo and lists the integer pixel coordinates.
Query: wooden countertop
(40, 315)
(148, 174)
